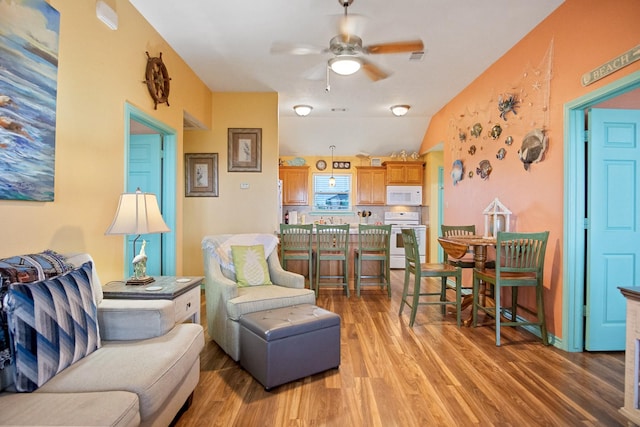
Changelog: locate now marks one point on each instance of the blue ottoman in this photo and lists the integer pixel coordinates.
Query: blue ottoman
(285, 344)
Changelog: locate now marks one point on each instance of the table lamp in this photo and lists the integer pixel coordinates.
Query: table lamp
(138, 213)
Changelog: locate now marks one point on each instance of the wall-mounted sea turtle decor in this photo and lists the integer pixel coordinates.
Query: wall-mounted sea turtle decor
(533, 147)
(507, 104)
(484, 169)
(457, 171)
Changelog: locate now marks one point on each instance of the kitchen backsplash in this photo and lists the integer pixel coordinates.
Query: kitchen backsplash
(359, 215)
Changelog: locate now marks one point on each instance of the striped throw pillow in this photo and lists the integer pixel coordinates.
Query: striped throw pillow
(53, 323)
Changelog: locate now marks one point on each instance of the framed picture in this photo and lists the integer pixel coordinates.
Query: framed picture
(201, 170)
(245, 150)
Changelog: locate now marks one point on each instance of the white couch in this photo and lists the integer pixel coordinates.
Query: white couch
(143, 374)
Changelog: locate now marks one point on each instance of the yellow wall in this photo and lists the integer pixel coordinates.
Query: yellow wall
(99, 71)
(585, 34)
(236, 210)
(434, 161)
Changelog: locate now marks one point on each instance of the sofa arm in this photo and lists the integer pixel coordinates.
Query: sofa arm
(124, 320)
(282, 277)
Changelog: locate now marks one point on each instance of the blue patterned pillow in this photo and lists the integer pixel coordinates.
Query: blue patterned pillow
(53, 324)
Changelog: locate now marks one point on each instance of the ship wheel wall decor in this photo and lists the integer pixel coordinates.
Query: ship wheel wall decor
(157, 80)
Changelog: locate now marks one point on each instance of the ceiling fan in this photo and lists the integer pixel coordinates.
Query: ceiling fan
(348, 50)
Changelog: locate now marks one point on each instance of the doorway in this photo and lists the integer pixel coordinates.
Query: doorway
(167, 185)
(575, 266)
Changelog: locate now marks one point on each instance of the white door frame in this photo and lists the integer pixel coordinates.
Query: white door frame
(575, 190)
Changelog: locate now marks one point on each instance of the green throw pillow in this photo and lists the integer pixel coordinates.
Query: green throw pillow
(251, 266)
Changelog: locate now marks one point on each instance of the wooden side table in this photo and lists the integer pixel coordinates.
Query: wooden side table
(183, 291)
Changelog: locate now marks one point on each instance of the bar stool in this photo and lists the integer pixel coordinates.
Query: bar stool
(420, 271)
(296, 244)
(519, 263)
(332, 245)
(374, 243)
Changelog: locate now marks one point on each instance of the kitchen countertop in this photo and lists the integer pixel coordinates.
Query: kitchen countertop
(353, 229)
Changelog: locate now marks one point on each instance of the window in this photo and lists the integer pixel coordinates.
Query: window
(327, 198)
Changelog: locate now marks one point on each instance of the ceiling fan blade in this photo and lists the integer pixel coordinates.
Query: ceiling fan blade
(317, 72)
(395, 47)
(296, 49)
(373, 71)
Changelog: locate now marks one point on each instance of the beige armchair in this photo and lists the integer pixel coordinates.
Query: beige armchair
(226, 302)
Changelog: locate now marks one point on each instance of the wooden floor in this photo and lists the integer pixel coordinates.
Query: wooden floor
(434, 374)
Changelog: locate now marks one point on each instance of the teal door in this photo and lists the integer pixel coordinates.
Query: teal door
(613, 212)
(145, 173)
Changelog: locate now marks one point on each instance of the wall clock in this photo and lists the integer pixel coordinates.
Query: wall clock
(321, 165)
(157, 80)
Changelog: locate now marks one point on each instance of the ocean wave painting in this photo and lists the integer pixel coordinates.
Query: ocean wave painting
(29, 32)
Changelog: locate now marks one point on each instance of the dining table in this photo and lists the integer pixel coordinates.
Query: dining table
(457, 247)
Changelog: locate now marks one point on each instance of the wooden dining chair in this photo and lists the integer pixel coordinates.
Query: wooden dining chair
(296, 244)
(332, 244)
(519, 263)
(420, 271)
(374, 243)
(465, 261)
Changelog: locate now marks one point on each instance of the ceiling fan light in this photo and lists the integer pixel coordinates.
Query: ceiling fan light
(345, 65)
(302, 110)
(400, 110)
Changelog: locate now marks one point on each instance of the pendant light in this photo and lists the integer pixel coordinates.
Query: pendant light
(332, 180)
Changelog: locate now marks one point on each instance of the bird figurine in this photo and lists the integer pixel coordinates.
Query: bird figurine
(140, 263)
(457, 171)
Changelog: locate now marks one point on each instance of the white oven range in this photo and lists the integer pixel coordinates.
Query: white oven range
(398, 221)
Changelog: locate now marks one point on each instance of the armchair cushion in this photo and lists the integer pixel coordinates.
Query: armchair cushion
(267, 297)
(219, 246)
(251, 265)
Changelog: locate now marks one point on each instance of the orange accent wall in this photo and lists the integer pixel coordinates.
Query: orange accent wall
(585, 34)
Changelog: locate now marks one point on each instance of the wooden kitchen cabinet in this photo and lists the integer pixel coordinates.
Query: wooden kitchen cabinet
(404, 173)
(295, 185)
(370, 185)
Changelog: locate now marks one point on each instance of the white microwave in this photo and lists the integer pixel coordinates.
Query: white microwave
(405, 195)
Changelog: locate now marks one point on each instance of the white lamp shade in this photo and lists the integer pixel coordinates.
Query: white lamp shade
(137, 213)
(345, 65)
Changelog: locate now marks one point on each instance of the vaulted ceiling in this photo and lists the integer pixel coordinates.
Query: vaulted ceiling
(237, 46)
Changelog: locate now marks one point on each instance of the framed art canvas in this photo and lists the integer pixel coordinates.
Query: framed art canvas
(245, 150)
(201, 170)
(28, 91)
